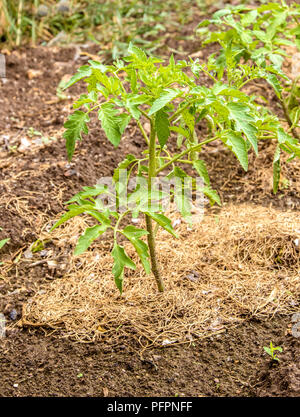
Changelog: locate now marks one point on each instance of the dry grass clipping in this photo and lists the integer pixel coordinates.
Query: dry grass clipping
(242, 263)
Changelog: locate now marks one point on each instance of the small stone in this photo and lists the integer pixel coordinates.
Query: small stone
(25, 144)
(52, 264)
(191, 277)
(31, 73)
(42, 10)
(13, 314)
(63, 6)
(28, 254)
(70, 172)
(296, 318)
(176, 223)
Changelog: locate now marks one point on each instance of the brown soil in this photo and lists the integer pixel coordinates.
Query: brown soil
(220, 366)
(36, 181)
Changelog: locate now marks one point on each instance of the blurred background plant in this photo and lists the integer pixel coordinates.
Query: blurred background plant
(110, 23)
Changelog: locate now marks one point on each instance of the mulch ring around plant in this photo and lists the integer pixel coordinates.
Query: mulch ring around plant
(241, 263)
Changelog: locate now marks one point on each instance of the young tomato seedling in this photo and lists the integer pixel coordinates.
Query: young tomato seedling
(138, 90)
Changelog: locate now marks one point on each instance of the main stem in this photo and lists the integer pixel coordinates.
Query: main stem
(151, 236)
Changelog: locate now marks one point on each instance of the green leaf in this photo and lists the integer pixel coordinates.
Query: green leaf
(111, 123)
(73, 211)
(137, 52)
(189, 120)
(244, 122)
(121, 260)
(162, 127)
(123, 165)
(273, 81)
(3, 242)
(238, 146)
(85, 99)
(75, 125)
(261, 35)
(90, 234)
(182, 198)
(166, 96)
(200, 167)
(163, 221)
(82, 72)
(133, 234)
(88, 192)
(249, 18)
(268, 351)
(212, 195)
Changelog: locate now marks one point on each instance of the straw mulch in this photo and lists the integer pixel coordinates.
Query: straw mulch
(243, 262)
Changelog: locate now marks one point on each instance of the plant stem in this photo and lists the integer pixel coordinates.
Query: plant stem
(191, 149)
(154, 264)
(19, 23)
(143, 132)
(288, 119)
(151, 236)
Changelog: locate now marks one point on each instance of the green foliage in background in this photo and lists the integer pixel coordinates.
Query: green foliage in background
(252, 42)
(112, 24)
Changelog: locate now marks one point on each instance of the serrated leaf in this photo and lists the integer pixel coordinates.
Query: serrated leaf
(166, 96)
(212, 195)
(189, 120)
(244, 122)
(162, 127)
(75, 125)
(248, 18)
(90, 234)
(88, 192)
(133, 234)
(82, 72)
(200, 167)
(238, 146)
(182, 197)
(123, 165)
(273, 81)
(137, 52)
(121, 260)
(163, 221)
(110, 122)
(73, 211)
(261, 35)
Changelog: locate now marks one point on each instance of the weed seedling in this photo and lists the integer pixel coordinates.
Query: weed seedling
(271, 351)
(2, 243)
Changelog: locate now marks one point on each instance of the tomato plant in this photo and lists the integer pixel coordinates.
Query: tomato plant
(168, 96)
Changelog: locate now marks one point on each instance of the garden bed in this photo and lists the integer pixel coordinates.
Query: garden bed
(125, 354)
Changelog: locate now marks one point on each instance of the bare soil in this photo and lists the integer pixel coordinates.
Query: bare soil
(34, 182)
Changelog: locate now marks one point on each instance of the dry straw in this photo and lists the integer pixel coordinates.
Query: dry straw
(243, 262)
